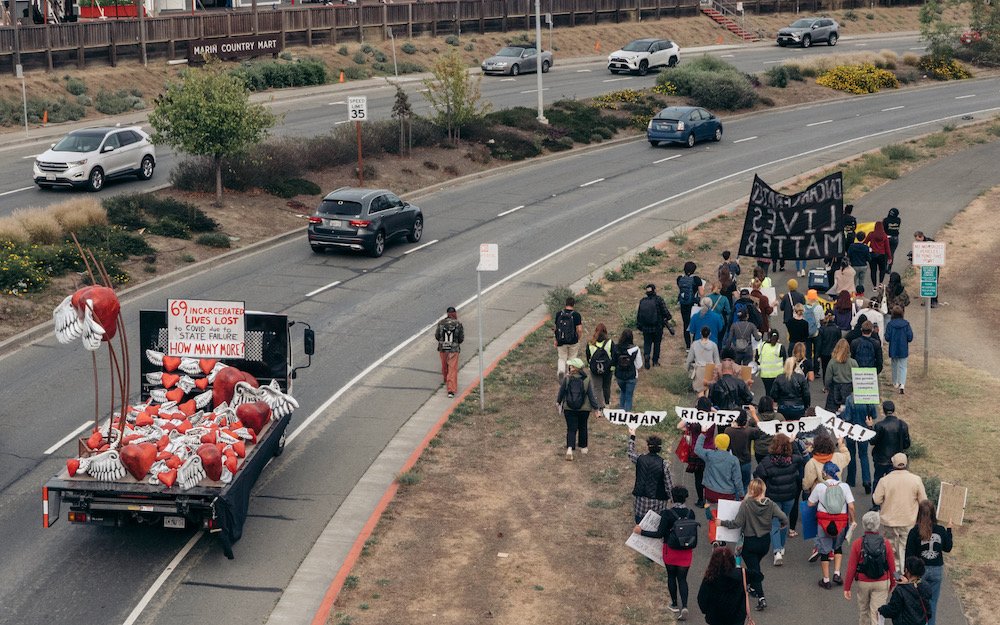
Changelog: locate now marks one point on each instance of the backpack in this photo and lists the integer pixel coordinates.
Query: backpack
(576, 392)
(565, 328)
(864, 353)
(684, 534)
(448, 331)
(741, 343)
(873, 562)
(812, 320)
(625, 364)
(600, 360)
(685, 290)
(648, 317)
(834, 499)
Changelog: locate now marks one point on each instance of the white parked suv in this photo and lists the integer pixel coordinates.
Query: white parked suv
(89, 157)
(642, 55)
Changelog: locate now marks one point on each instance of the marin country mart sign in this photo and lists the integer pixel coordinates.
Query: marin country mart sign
(205, 328)
(233, 48)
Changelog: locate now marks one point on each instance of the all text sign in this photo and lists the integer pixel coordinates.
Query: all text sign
(233, 48)
(357, 108)
(865, 382)
(928, 281)
(205, 328)
(928, 253)
(489, 257)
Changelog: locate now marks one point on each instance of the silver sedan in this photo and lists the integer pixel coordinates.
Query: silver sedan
(514, 60)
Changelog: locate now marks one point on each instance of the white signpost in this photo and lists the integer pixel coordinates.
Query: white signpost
(357, 112)
(205, 328)
(489, 260)
(928, 254)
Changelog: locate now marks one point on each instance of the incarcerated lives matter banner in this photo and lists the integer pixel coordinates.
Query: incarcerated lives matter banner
(804, 226)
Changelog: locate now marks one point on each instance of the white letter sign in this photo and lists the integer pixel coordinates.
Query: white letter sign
(634, 419)
(489, 257)
(205, 329)
(706, 419)
(357, 108)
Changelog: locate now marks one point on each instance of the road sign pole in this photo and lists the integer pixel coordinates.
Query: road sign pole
(927, 332)
(479, 323)
(361, 166)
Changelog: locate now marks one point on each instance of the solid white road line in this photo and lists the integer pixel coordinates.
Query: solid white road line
(146, 598)
(962, 97)
(825, 121)
(669, 158)
(745, 139)
(420, 247)
(582, 71)
(535, 90)
(508, 212)
(507, 80)
(587, 184)
(67, 439)
(323, 288)
(17, 190)
(616, 79)
(892, 108)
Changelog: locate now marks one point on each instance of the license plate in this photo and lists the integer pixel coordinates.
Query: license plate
(50, 176)
(332, 223)
(173, 522)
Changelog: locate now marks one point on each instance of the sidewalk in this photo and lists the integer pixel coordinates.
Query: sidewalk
(927, 200)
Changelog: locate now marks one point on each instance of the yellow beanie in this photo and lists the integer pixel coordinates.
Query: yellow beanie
(793, 284)
(722, 442)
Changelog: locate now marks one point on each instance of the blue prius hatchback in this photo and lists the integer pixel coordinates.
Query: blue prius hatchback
(684, 124)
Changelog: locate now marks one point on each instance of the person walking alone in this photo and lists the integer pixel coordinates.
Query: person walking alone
(928, 541)
(869, 570)
(651, 317)
(754, 520)
(450, 334)
(899, 335)
(576, 400)
(568, 330)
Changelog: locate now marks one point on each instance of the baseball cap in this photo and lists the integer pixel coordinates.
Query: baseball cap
(899, 460)
(744, 291)
(812, 294)
(451, 309)
(831, 469)
(575, 362)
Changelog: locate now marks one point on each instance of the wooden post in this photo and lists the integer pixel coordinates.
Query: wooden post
(409, 20)
(309, 28)
(361, 23)
(140, 9)
(594, 18)
(113, 53)
(229, 24)
(48, 46)
(385, 19)
(80, 55)
(333, 26)
(482, 17)
(503, 20)
(171, 47)
(282, 20)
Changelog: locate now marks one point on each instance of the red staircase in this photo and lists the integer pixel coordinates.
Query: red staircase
(729, 24)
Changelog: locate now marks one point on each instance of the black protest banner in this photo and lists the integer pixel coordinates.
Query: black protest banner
(803, 226)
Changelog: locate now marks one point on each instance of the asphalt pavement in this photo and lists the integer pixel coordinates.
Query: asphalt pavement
(927, 199)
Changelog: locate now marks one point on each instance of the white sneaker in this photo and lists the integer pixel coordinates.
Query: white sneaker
(683, 615)
(569, 453)
(674, 608)
(778, 558)
(583, 450)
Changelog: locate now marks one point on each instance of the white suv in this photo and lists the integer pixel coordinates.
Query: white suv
(641, 55)
(89, 157)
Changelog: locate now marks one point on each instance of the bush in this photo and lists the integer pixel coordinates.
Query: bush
(898, 152)
(577, 120)
(941, 69)
(280, 74)
(57, 260)
(19, 273)
(860, 79)
(76, 86)
(408, 48)
(125, 244)
(124, 211)
(78, 213)
(40, 224)
(360, 57)
(214, 239)
(354, 72)
(342, 51)
(185, 213)
(380, 56)
(58, 110)
(11, 230)
(292, 187)
(406, 67)
(117, 102)
(452, 40)
(170, 228)
(555, 300)
(779, 75)
(512, 145)
(712, 83)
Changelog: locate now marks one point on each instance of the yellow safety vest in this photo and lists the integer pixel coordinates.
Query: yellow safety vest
(771, 365)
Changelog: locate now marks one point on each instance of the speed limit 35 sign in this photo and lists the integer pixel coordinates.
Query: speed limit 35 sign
(357, 108)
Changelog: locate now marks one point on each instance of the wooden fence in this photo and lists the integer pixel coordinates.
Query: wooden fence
(166, 37)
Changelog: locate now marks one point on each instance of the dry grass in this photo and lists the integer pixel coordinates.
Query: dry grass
(77, 213)
(882, 58)
(40, 224)
(11, 229)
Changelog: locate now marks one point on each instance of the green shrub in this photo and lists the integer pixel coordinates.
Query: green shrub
(859, 79)
(469, 47)
(380, 56)
(578, 120)
(292, 187)
(555, 299)
(124, 244)
(408, 48)
(56, 260)
(354, 72)
(943, 69)
(342, 51)
(258, 76)
(899, 152)
(76, 86)
(185, 213)
(360, 57)
(58, 110)
(170, 227)
(452, 40)
(712, 83)
(214, 239)
(557, 145)
(19, 273)
(511, 145)
(117, 102)
(850, 16)
(124, 210)
(406, 67)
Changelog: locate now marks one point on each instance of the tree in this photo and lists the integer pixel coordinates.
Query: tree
(454, 94)
(402, 111)
(209, 113)
(939, 35)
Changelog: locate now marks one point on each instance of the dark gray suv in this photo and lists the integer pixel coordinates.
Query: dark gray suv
(809, 30)
(363, 219)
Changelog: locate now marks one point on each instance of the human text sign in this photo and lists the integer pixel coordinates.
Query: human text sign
(634, 419)
(803, 226)
(233, 48)
(205, 328)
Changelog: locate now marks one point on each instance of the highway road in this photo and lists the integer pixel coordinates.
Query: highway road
(322, 112)
(562, 218)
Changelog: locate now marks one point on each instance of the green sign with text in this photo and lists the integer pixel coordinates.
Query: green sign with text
(928, 281)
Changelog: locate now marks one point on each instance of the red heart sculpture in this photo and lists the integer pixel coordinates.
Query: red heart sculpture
(153, 409)
(138, 459)
(103, 447)
(249, 379)
(240, 448)
(106, 307)
(188, 408)
(163, 442)
(173, 462)
(254, 415)
(211, 460)
(170, 363)
(183, 426)
(225, 380)
(231, 464)
(167, 477)
(201, 383)
(95, 440)
(131, 437)
(169, 379)
(72, 466)
(142, 419)
(206, 365)
(175, 394)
